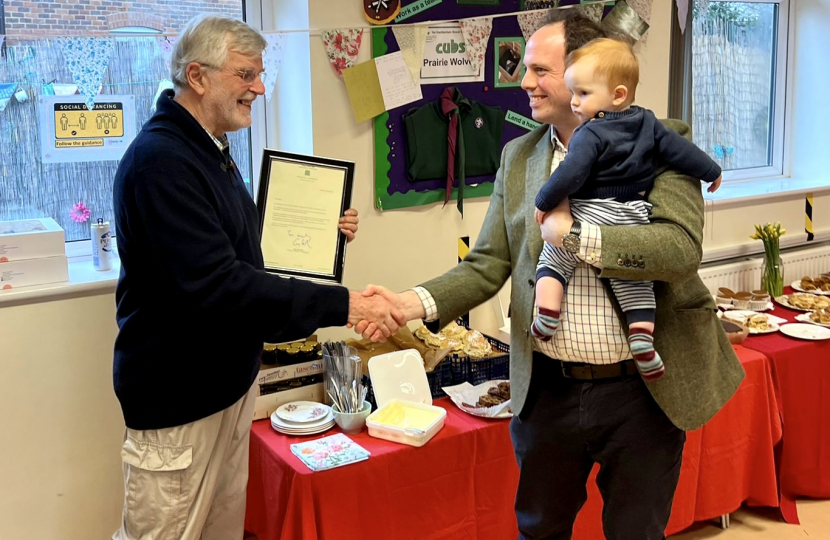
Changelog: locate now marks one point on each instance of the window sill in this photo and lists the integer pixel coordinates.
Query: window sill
(83, 280)
(742, 191)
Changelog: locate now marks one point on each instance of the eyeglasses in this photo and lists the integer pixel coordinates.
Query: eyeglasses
(248, 75)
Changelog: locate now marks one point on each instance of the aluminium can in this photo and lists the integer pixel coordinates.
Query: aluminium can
(101, 245)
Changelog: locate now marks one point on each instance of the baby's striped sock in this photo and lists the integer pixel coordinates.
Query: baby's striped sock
(545, 324)
(642, 348)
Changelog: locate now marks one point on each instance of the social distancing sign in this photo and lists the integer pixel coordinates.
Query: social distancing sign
(72, 133)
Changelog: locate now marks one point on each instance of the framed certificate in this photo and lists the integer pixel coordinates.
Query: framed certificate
(300, 201)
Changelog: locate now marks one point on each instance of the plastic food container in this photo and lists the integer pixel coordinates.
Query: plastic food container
(405, 412)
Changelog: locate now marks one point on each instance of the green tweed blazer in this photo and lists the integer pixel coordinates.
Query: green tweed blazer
(702, 370)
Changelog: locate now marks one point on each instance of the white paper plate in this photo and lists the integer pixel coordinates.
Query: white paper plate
(303, 411)
(805, 317)
(806, 331)
(772, 328)
(796, 285)
(741, 315)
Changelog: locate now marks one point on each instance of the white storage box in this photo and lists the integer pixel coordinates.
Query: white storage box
(28, 272)
(405, 411)
(30, 239)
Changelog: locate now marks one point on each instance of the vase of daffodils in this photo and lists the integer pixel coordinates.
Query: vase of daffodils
(772, 273)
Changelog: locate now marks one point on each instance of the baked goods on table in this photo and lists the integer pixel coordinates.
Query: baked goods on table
(821, 316)
(759, 323)
(821, 283)
(469, 342)
(808, 301)
(496, 395)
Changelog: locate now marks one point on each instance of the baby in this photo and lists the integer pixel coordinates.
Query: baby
(609, 169)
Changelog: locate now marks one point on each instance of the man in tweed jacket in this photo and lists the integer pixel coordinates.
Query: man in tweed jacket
(578, 400)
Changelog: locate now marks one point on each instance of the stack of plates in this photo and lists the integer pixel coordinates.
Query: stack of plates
(302, 418)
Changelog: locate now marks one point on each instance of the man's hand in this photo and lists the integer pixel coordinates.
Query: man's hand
(539, 216)
(385, 317)
(407, 302)
(713, 187)
(557, 223)
(348, 224)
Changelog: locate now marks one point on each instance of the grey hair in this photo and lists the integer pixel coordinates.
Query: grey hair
(207, 38)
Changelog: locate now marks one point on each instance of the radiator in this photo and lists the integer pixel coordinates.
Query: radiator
(745, 275)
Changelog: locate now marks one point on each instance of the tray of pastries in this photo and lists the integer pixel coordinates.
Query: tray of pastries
(803, 301)
(819, 285)
(820, 317)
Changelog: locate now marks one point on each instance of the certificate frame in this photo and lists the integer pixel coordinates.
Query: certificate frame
(266, 201)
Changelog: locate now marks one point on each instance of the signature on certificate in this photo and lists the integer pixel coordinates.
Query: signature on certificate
(302, 240)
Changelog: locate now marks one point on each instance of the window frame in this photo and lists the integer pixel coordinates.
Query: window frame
(680, 89)
(80, 250)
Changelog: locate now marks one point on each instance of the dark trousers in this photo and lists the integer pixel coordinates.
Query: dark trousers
(566, 426)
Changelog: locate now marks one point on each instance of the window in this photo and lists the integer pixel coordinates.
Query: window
(729, 82)
(33, 64)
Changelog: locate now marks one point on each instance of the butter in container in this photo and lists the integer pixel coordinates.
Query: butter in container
(405, 412)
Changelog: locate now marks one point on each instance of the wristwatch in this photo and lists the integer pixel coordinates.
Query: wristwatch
(571, 240)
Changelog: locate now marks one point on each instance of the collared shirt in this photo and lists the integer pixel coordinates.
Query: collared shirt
(221, 142)
(589, 329)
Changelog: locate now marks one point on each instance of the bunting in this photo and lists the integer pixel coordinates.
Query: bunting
(164, 45)
(682, 13)
(643, 9)
(6, 93)
(626, 21)
(165, 84)
(530, 22)
(272, 61)
(411, 41)
(87, 59)
(476, 33)
(342, 47)
(592, 11)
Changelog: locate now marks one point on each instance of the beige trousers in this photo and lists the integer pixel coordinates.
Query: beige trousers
(188, 482)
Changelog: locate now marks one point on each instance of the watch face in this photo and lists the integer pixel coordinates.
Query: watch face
(571, 243)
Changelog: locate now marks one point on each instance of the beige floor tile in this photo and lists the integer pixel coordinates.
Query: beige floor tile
(766, 524)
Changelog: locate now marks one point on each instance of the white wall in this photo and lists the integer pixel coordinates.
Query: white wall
(60, 423)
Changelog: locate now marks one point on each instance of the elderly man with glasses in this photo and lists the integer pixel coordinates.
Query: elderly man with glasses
(194, 301)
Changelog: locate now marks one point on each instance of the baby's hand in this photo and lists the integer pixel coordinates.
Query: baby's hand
(715, 185)
(539, 216)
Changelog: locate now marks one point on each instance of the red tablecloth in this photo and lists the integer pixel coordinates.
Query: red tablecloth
(802, 370)
(727, 462)
(461, 485)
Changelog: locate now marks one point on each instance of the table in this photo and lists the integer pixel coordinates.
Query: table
(727, 462)
(461, 484)
(802, 371)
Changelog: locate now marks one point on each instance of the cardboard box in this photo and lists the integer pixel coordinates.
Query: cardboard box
(14, 274)
(271, 374)
(267, 404)
(30, 239)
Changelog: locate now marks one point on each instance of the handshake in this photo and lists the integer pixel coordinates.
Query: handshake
(376, 313)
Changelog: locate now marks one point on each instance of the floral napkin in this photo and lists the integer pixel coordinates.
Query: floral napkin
(329, 452)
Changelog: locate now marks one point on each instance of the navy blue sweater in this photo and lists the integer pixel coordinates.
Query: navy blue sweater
(194, 303)
(614, 155)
